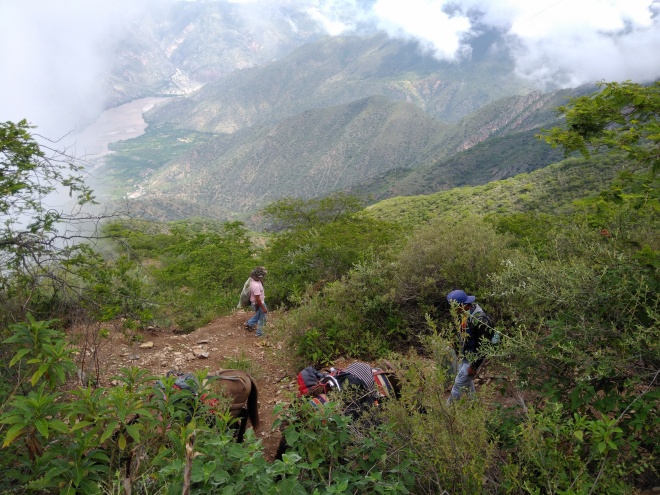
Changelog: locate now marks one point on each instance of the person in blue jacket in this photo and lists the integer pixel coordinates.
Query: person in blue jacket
(476, 327)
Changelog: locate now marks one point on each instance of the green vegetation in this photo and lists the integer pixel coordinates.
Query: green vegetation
(351, 121)
(623, 116)
(134, 160)
(193, 267)
(551, 190)
(324, 240)
(566, 260)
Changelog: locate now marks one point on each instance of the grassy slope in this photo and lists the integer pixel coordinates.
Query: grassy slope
(551, 189)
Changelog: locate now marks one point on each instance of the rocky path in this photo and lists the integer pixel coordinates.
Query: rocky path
(219, 345)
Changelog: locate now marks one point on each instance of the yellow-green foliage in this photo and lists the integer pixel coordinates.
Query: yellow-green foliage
(451, 448)
(453, 251)
(549, 190)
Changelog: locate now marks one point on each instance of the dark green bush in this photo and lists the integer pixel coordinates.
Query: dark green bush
(312, 256)
(449, 253)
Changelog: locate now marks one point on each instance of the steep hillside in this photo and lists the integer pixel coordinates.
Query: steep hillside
(180, 46)
(309, 155)
(494, 159)
(549, 190)
(338, 70)
(354, 113)
(509, 115)
(373, 147)
(495, 142)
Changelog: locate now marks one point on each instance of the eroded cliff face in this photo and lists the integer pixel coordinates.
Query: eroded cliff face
(185, 45)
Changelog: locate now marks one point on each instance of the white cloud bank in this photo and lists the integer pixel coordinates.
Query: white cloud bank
(556, 42)
(52, 55)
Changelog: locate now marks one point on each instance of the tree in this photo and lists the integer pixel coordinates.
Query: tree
(294, 212)
(622, 116)
(38, 242)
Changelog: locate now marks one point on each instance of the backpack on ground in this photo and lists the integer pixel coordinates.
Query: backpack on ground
(309, 382)
(244, 300)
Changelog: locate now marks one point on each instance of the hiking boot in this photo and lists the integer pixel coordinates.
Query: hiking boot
(249, 328)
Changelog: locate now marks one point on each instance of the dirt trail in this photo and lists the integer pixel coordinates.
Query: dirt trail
(213, 346)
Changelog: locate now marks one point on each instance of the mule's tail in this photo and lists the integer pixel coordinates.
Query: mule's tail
(253, 405)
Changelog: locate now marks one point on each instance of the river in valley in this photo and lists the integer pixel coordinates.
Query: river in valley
(115, 124)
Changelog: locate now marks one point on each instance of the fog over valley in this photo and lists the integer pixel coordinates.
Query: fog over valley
(85, 72)
(58, 78)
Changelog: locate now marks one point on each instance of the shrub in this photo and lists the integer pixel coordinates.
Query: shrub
(337, 454)
(351, 317)
(311, 256)
(449, 253)
(449, 444)
(567, 455)
(587, 323)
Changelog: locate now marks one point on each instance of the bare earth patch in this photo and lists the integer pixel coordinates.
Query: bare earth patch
(213, 346)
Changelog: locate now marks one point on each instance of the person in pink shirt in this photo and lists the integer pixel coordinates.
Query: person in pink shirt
(258, 300)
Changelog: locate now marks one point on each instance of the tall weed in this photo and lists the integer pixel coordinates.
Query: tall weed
(450, 446)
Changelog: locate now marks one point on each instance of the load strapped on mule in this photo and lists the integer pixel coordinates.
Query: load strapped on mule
(358, 388)
(367, 385)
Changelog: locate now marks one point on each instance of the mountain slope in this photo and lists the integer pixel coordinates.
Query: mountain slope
(373, 147)
(495, 142)
(180, 46)
(338, 70)
(494, 159)
(548, 190)
(308, 155)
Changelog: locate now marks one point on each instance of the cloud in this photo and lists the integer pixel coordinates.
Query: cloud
(53, 55)
(442, 32)
(554, 42)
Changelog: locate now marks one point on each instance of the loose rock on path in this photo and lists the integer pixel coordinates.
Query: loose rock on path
(219, 345)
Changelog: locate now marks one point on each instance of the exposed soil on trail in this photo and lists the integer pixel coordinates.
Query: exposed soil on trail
(219, 343)
(222, 344)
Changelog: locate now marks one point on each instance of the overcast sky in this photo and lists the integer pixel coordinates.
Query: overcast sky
(568, 42)
(53, 51)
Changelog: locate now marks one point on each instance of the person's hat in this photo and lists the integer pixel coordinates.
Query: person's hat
(460, 297)
(259, 272)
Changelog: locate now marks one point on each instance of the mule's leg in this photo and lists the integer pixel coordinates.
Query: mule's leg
(281, 448)
(242, 426)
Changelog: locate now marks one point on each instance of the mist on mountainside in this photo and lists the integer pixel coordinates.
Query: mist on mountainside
(479, 69)
(304, 126)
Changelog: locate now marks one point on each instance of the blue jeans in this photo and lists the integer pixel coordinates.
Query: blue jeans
(463, 382)
(259, 319)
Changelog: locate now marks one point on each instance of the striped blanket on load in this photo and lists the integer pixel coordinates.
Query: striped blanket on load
(363, 372)
(315, 384)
